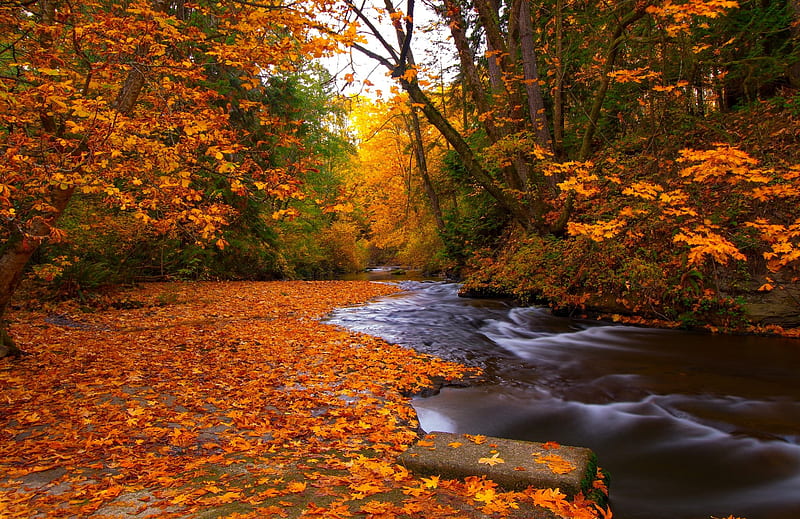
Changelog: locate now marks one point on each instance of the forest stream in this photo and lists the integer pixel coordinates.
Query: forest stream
(689, 425)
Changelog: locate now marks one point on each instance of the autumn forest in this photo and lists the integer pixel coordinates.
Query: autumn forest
(637, 159)
(632, 160)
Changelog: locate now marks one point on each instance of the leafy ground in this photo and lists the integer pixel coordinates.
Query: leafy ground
(224, 400)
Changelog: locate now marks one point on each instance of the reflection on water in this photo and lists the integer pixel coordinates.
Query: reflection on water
(688, 425)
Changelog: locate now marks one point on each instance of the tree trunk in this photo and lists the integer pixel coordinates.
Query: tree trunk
(605, 80)
(469, 70)
(507, 201)
(130, 91)
(28, 236)
(531, 75)
(558, 88)
(422, 164)
(517, 175)
(404, 39)
(511, 196)
(8, 347)
(15, 255)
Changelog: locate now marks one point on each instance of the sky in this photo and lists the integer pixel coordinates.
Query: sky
(424, 48)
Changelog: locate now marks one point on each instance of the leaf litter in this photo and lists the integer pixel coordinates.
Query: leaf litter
(225, 400)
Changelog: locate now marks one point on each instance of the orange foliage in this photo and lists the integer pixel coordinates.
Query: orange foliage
(76, 121)
(386, 181)
(680, 17)
(722, 172)
(203, 396)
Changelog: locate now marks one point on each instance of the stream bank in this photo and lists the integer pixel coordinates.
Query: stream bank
(580, 278)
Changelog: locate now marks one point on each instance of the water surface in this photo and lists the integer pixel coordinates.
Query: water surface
(689, 425)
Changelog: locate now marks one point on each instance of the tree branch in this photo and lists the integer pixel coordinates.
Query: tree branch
(375, 32)
(407, 38)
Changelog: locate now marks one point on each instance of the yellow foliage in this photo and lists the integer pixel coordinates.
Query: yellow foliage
(646, 190)
(579, 177)
(386, 183)
(784, 241)
(723, 163)
(638, 75)
(598, 231)
(704, 242)
(151, 152)
(520, 145)
(678, 17)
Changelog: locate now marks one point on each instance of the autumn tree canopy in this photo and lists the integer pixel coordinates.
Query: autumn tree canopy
(618, 123)
(151, 107)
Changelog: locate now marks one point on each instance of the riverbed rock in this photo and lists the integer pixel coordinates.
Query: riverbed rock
(512, 464)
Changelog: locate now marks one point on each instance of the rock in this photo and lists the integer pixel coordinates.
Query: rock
(512, 464)
(780, 306)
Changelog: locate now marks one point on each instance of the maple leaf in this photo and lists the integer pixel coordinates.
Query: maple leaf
(477, 439)
(296, 487)
(555, 463)
(432, 482)
(485, 496)
(492, 460)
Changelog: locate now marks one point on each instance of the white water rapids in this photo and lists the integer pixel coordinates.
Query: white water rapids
(688, 425)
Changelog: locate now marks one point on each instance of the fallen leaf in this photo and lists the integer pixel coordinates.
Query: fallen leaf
(492, 461)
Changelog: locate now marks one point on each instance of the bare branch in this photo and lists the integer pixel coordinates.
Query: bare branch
(374, 55)
(407, 39)
(375, 32)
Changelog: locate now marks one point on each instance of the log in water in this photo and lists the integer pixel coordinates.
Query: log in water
(689, 425)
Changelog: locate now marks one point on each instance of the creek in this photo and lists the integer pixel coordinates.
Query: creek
(688, 425)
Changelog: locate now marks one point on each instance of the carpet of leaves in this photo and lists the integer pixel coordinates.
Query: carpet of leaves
(224, 400)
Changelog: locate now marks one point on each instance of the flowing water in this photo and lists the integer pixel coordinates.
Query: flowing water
(688, 425)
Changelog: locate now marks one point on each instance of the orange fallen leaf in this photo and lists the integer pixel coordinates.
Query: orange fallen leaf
(296, 486)
(555, 463)
(477, 439)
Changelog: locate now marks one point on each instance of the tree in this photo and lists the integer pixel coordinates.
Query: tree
(396, 193)
(115, 101)
(499, 47)
(397, 61)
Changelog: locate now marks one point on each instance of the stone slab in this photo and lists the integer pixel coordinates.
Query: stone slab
(512, 464)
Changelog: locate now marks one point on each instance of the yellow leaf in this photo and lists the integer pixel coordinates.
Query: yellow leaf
(486, 496)
(494, 460)
(555, 463)
(476, 439)
(432, 482)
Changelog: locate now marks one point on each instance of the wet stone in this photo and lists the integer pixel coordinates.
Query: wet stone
(512, 464)
(44, 478)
